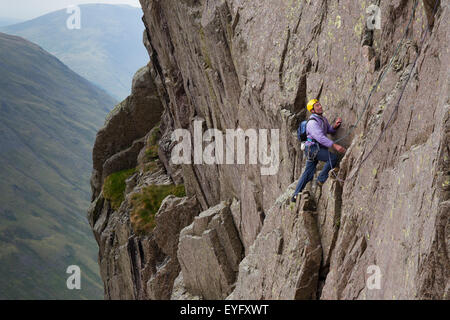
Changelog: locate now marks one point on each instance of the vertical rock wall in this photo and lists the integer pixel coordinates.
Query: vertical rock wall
(254, 64)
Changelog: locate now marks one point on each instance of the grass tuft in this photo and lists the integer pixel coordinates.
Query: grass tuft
(114, 187)
(146, 204)
(152, 149)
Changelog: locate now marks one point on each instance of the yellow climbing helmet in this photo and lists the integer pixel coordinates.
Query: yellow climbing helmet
(310, 104)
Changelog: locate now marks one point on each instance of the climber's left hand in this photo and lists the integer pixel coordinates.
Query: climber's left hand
(338, 122)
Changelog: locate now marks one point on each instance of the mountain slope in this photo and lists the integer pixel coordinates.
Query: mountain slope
(106, 50)
(4, 21)
(48, 119)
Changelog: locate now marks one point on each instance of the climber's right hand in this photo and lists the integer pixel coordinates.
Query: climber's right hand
(339, 148)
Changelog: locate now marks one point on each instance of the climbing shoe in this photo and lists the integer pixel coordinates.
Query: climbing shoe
(294, 198)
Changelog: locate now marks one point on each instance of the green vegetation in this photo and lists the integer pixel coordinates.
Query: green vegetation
(151, 153)
(146, 204)
(292, 206)
(151, 166)
(337, 222)
(49, 117)
(152, 150)
(114, 187)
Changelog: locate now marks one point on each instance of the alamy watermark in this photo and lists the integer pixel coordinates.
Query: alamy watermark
(74, 20)
(374, 280)
(374, 18)
(74, 280)
(231, 150)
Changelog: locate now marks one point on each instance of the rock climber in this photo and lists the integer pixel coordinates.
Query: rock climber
(316, 147)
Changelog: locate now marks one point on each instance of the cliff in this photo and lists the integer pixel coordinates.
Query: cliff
(229, 230)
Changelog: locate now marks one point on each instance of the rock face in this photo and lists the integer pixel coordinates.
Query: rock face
(209, 253)
(117, 146)
(284, 260)
(135, 266)
(253, 65)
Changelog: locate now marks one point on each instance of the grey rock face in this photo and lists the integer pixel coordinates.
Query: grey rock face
(173, 215)
(139, 266)
(253, 64)
(136, 266)
(209, 80)
(124, 159)
(180, 292)
(129, 121)
(328, 221)
(284, 260)
(209, 253)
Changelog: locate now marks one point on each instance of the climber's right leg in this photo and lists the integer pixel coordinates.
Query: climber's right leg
(306, 177)
(308, 174)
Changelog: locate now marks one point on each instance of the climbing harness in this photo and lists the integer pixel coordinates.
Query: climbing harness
(376, 86)
(312, 154)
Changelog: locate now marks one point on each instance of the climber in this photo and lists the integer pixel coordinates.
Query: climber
(316, 147)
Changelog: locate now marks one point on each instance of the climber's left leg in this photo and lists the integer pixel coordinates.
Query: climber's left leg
(326, 156)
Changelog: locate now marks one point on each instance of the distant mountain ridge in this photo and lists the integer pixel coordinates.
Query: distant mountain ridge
(106, 50)
(48, 119)
(5, 21)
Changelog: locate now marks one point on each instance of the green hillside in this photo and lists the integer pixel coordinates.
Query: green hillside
(107, 49)
(49, 116)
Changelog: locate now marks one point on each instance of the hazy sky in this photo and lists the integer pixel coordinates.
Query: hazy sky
(28, 9)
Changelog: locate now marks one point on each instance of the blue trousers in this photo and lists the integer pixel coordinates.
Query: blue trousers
(314, 154)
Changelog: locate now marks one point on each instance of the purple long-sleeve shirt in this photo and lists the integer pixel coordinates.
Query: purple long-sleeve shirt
(318, 130)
